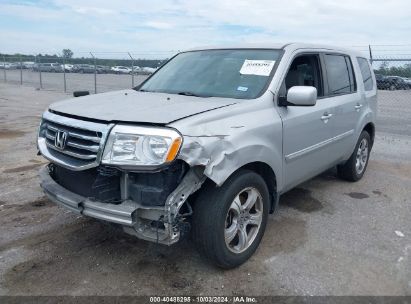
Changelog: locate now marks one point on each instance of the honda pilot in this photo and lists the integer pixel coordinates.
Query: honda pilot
(209, 142)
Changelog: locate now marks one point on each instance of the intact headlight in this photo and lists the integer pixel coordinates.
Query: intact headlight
(141, 146)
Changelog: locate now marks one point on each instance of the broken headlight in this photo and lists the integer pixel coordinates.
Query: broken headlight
(141, 146)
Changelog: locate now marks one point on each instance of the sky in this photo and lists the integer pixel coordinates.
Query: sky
(161, 28)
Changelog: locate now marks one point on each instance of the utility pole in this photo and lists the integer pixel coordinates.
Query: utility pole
(95, 73)
(369, 48)
(132, 70)
(21, 70)
(4, 68)
(64, 74)
(39, 68)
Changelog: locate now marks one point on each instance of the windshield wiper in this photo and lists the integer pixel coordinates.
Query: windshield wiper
(191, 94)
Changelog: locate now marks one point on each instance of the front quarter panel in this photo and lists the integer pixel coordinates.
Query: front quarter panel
(226, 139)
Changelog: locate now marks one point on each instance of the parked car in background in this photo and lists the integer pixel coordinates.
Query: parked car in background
(10, 65)
(28, 64)
(48, 67)
(83, 68)
(393, 83)
(210, 142)
(408, 81)
(380, 81)
(103, 69)
(148, 70)
(67, 67)
(4, 65)
(143, 70)
(118, 69)
(136, 70)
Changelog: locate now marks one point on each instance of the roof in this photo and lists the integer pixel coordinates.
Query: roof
(291, 46)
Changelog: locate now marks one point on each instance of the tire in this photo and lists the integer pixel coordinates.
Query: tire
(351, 170)
(214, 217)
(392, 87)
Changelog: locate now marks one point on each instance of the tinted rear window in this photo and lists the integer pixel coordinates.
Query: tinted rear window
(366, 74)
(339, 74)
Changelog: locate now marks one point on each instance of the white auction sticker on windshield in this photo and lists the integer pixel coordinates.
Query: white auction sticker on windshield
(257, 67)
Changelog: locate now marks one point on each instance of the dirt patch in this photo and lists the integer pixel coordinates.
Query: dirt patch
(301, 200)
(8, 134)
(33, 241)
(23, 168)
(357, 195)
(36, 161)
(90, 255)
(40, 202)
(283, 235)
(29, 214)
(400, 169)
(28, 219)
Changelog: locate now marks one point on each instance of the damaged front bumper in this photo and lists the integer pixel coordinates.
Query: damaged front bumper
(161, 224)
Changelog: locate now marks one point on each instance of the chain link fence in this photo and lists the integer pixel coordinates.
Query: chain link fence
(94, 72)
(392, 65)
(101, 72)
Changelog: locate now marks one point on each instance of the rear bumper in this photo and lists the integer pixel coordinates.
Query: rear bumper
(135, 218)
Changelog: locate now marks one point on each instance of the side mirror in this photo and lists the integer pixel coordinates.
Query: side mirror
(80, 93)
(303, 96)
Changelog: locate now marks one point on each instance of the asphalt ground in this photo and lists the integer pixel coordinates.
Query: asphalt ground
(330, 237)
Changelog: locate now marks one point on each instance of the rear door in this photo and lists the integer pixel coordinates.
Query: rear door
(307, 131)
(342, 91)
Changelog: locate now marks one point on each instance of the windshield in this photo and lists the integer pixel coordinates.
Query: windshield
(236, 73)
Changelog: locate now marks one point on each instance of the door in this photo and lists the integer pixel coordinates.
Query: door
(342, 91)
(307, 131)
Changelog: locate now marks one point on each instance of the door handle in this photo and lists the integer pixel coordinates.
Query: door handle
(358, 107)
(326, 116)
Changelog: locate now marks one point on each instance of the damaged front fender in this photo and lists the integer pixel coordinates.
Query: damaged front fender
(221, 158)
(224, 140)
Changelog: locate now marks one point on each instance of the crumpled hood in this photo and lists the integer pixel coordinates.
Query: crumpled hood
(134, 106)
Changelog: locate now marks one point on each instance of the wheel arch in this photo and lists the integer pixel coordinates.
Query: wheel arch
(370, 128)
(269, 176)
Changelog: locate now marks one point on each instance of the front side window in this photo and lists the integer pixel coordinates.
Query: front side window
(231, 73)
(305, 70)
(366, 73)
(339, 74)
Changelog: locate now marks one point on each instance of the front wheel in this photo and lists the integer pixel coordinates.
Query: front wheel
(229, 221)
(354, 169)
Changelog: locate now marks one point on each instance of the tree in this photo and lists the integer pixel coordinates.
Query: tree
(67, 53)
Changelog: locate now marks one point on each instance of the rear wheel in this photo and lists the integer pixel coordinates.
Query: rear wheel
(229, 221)
(354, 169)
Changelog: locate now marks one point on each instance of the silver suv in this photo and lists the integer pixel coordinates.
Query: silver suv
(210, 141)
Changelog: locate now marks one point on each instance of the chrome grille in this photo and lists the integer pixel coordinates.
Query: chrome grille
(83, 141)
(80, 143)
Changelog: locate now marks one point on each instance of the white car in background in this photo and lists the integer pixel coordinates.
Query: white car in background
(148, 70)
(28, 64)
(118, 69)
(67, 67)
(9, 65)
(4, 65)
(144, 70)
